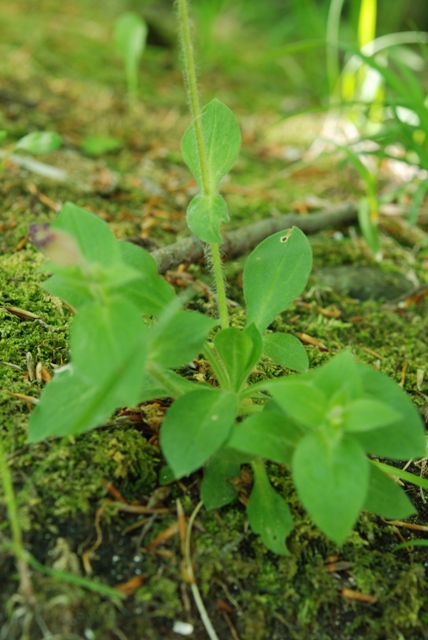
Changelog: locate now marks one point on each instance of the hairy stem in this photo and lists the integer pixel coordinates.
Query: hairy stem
(193, 97)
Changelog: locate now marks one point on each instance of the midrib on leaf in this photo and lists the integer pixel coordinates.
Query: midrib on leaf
(211, 154)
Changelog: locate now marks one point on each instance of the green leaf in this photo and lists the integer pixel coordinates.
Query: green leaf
(69, 406)
(130, 36)
(39, 142)
(268, 513)
(73, 288)
(103, 339)
(108, 345)
(368, 225)
(205, 215)
(286, 350)
(402, 439)
(299, 399)
(341, 373)
(94, 238)
(332, 482)
(403, 475)
(79, 285)
(195, 427)
(385, 497)
(222, 139)
(366, 414)
(216, 488)
(178, 337)
(239, 351)
(150, 293)
(275, 273)
(267, 435)
(99, 145)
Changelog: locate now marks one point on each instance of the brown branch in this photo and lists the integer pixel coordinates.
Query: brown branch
(242, 240)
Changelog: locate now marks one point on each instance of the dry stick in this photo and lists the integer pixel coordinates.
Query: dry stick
(238, 242)
(191, 576)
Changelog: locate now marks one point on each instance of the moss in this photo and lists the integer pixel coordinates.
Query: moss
(162, 595)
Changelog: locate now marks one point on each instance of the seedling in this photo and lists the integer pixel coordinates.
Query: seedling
(36, 143)
(130, 36)
(100, 145)
(132, 333)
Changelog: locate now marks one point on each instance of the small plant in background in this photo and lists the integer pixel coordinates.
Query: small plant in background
(99, 145)
(382, 105)
(132, 333)
(36, 143)
(130, 35)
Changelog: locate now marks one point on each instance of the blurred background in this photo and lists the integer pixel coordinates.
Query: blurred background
(284, 41)
(305, 78)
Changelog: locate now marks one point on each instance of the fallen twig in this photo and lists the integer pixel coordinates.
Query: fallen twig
(239, 241)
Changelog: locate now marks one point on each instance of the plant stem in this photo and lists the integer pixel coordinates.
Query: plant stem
(160, 376)
(12, 511)
(195, 109)
(220, 287)
(192, 91)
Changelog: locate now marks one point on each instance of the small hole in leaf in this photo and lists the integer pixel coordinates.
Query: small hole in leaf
(285, 238)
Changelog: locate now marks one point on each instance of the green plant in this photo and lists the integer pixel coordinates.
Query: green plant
(16, 545)
(37, 142)
(132, 333)
(130, 36)
(383, 99)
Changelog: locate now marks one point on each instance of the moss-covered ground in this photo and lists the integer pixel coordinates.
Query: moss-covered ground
(59, 71)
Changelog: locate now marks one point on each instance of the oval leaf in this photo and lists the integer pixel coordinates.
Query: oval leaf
(366, 414)
(108, 344)
(178, 337)
(268, 513)
(217, 488)
(103, 341)
(286, 350)
(205, 215)
(267, 435)
(332, 482)
(239, 351)
(222, 139)
(404, 438)
(195, 427)
(130, 36)
(69, 406)
(275, 273)
(39, 142)
(94, 237)
(385, 497)
(150, 293)
(301, 400)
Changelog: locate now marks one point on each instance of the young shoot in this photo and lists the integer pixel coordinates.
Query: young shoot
(130, 35)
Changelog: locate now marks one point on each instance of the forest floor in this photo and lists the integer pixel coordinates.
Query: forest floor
(73, 494)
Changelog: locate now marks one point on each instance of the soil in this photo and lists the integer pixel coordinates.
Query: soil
(75, 496)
